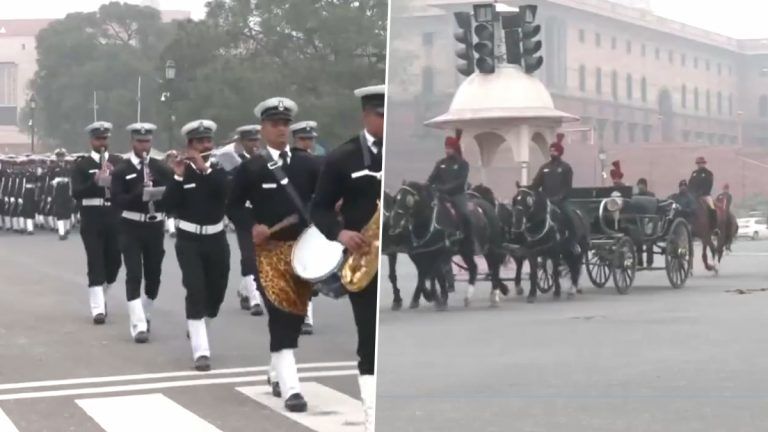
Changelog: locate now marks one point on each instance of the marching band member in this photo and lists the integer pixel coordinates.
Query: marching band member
(304, 135)
(141, 226)
(61, 200)
(198, 197)
(359, 195)
(268, 182)
(250, 299)
(91, 180)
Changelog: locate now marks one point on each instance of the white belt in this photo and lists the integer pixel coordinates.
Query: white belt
(201, 229)
(141, 217)
(30, 186)
(94, 202)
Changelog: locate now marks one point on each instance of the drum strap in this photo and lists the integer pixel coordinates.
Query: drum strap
(282, 178)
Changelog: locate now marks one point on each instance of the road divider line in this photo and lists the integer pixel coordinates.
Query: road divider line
(6, 425)
(328, 410)
(148, 412)
(161, 375)
(163, 385)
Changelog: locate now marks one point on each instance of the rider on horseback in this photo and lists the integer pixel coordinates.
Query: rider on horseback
(700, 185)
(449, 179)
(555, 181)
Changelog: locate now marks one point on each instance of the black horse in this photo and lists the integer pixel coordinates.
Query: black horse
(436, 236)
(391, 246)
(504, 214)
(542, 226)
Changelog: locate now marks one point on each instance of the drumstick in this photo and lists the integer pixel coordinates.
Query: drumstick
(290, 220)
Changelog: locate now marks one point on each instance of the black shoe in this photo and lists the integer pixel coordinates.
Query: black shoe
(141, 337)
(296, 403)
(257, 310)
(275, 388)
(203, 364)
(245, 303)
(307, 329)
(99, 319)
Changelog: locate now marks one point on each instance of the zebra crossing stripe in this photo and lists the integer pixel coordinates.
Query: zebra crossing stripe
(328, 410)
(6, 425)
(146, 413)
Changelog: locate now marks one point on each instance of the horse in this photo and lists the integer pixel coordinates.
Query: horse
(391, 246)
(504, 213)
(712, 237)
(436, 235)
(729, 227)
(543, 227)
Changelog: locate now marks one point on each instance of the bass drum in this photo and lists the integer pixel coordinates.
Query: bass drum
(317, 260)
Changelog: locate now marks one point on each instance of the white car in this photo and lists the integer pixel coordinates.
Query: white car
(754, 228)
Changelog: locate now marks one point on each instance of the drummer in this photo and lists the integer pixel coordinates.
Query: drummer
(285, 296)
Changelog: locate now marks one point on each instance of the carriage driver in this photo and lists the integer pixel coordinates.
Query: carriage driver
(555, 181)
(449, 178)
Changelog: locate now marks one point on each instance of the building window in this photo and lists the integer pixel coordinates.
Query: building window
(629, 87)
(428, 39)
(582, 78)
(629, 47)
(671, 57)
(684, 96)
(613, 42)
(730, 104)
(581, 35)
(658, 53)
(709, 104)
(696, 98)
(599, 81)
(682, 60)
(8, 84)
(763, 108)
(615, 85)
(719, 69)
(642, 50)
(719, 103)
(644, 90)
(598, 40)
(427, 80)
(695, 62)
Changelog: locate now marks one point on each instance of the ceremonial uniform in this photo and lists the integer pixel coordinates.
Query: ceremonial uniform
(249, 296)
(449, 178)
(286, 296)
(141, 229)
(98, 228)
(61, 199)
(700, 185)
(198, 199)
(352, 173)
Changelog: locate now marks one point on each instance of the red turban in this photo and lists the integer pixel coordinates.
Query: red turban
(453, 144)
(558, 145)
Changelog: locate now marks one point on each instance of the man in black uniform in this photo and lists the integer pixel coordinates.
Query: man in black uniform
(91, 182)
(286, 296)
(141, 226)
(684, 199)
(449, 179)
(61, 201)
(198, 197)
(28, 209)
(700, 185)
(727, 197)
(352, 174)
(248, 139)
(642, 188)
(304, 135)
(555, 180)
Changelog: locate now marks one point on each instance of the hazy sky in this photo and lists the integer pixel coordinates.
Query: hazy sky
(59, 8)
(736, 18)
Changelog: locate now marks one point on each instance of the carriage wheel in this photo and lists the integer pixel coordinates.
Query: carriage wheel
(625, 265)
(545, 275)
(678, 259)
(598, 268)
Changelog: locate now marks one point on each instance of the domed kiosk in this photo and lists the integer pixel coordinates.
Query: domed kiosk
(506, 107)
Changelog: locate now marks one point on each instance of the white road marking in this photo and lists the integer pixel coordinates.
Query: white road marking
(150, 376)
(147, 413)
(162, 385)
(6, 425)
(328, 410)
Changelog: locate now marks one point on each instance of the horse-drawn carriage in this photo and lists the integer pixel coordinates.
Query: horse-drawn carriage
(622, 225)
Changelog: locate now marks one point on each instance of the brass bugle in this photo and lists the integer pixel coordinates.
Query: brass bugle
(188, 158)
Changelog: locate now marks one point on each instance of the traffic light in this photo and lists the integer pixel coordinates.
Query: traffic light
(532, 60)
(511, 25)
(463, 36)
(484, 48)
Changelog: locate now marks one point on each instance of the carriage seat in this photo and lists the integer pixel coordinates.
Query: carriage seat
(644, 205)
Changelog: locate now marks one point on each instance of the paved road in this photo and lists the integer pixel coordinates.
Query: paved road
(658, 359)
(46, 336)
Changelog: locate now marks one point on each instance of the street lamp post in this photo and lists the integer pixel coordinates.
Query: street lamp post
(32, 107)
(170, 75)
